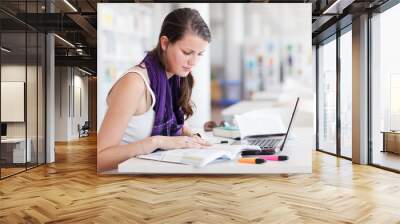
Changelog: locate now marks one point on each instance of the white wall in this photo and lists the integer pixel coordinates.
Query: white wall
(33, 126)
(67, 115)
(80, 102)
(61, 103)
(17, 73)
(50, 93)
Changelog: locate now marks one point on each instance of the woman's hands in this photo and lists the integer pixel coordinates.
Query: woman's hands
(176, 142)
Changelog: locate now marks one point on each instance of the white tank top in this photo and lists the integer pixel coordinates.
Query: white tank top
(140, 126)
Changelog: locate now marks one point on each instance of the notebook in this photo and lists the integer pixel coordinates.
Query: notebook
(227, 132)
(199, 157)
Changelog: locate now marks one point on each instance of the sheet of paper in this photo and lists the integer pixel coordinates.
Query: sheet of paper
(260, 122)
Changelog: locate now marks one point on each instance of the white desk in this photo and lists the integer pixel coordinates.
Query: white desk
(299, 151)
(19, 149)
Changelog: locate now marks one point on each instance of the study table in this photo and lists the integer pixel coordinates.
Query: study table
(298, 148)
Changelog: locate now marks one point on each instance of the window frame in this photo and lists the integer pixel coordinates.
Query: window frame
(336, 36)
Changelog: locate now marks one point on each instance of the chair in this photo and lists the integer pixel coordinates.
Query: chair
(84, 130)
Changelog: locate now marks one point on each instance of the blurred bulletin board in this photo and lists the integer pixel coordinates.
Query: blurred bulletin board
(124, 36)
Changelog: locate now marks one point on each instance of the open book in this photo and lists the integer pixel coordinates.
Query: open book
(199, 157)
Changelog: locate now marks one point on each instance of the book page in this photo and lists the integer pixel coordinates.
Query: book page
(198, 157)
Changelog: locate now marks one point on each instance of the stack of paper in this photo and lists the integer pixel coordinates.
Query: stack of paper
(260, 122)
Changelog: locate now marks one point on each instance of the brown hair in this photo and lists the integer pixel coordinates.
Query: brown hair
(175, 25)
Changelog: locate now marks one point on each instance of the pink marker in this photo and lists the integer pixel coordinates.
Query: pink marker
(274, 158)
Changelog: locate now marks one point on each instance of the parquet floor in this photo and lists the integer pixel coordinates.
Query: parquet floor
(9, 171)
(70, 191)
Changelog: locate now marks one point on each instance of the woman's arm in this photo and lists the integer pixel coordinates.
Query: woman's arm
(187, 131)
(123, 102)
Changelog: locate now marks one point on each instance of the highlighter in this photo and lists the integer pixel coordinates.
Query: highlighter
(251, 160)
(274, 158)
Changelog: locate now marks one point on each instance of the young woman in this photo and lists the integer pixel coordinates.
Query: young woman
(148, 105)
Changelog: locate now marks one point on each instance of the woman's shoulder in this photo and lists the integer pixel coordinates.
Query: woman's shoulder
(133, 77)
(131, 84)
(141, 70)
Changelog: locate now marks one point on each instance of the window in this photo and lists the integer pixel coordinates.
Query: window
(385, 88)
(346, 94)
(22, 76)
(327, 97)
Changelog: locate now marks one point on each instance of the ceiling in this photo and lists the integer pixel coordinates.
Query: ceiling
(78, 27)
(77, 23)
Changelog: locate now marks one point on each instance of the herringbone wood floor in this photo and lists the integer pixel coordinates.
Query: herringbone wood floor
(70, 191)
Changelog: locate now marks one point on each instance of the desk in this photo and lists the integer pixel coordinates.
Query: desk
(16, 147)
(299, 151)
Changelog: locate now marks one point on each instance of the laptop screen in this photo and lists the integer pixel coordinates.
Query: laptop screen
(290, 124)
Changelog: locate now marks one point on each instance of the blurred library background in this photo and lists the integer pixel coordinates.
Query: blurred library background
(253, 54)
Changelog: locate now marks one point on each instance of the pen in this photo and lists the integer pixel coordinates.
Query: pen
(274, 158)
(197, 134)
(251, 160)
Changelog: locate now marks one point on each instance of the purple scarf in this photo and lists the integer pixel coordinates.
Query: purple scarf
(169, 117)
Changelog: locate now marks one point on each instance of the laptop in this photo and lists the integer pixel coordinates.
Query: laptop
(271, 142)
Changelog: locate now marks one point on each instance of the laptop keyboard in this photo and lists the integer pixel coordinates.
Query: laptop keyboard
(266, 143)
